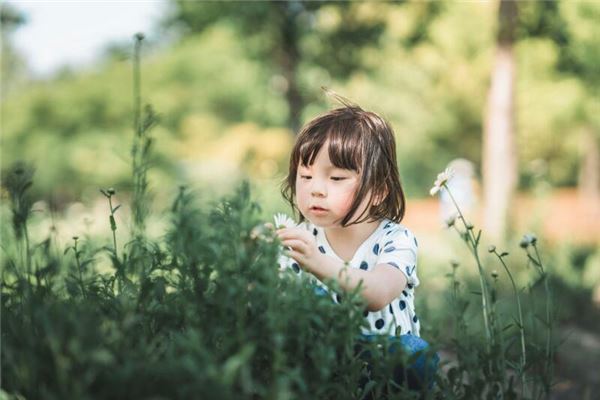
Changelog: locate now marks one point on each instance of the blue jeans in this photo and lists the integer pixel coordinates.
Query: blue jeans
(419, 375)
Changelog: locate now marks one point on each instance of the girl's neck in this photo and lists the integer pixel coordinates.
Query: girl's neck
(346, 240)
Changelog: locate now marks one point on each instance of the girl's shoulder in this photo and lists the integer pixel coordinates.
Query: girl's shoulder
(393, 231)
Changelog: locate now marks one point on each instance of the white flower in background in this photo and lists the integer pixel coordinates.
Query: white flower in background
(441, 180)
(528, 239)
(283, 221)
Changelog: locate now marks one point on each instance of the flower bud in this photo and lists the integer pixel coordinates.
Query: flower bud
(491, 248)
(528, 239)
(533, 239)
(111, 191)
(495, 274)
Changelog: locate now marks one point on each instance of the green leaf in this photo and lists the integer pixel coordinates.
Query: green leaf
(367, 389)
(236, 362)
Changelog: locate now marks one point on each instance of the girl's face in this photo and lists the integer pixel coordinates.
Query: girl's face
(324, 192)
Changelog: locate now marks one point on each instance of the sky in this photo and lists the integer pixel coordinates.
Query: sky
(73, 33)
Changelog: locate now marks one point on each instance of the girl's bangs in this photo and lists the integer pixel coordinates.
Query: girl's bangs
(308, 150)
(344, 147)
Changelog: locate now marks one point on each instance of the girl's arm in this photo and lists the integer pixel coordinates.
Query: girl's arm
(380, 285)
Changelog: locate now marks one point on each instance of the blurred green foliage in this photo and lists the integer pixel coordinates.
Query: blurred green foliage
(203, 311)
(224, 108)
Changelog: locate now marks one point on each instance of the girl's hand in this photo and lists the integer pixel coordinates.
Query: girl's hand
(301, 245)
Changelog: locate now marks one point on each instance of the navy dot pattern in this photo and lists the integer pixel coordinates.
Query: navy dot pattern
(376, 249)
(296, 267)
(391, 244)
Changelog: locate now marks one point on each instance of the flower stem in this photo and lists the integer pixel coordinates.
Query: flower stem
(483, 283)
(79, 269)
(521, 324)
(113, 226)
(549, 354)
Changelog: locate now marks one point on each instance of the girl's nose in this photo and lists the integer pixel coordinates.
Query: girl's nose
(317, 189)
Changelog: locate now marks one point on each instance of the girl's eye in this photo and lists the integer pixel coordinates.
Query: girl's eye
(337, 178)
(305, 176)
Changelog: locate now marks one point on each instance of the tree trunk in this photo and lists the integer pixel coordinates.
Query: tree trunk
(288, 60)
(499, 159)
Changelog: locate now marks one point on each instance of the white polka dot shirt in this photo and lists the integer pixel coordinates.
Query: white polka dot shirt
(392, 244)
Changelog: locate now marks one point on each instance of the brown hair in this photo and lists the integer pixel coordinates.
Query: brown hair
(358, 140)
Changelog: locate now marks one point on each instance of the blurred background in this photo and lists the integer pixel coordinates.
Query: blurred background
(507, 93)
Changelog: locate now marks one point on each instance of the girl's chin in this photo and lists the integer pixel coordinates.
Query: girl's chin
(322, 223)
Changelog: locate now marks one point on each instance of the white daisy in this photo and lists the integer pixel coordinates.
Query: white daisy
(283, 221)
(441, 180)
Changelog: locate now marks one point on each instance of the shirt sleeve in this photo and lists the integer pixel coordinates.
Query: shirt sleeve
(398, 248)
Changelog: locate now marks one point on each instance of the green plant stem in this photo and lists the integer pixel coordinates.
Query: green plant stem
(27, 254)
(549, 354)
(484, 292)
(137, 97)
(521, 324)
(79, 269)
(112, 227)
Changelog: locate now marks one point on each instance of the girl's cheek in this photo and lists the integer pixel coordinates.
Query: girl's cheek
(347, 198)
(300, 197)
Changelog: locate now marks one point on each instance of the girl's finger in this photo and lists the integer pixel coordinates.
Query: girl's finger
(295, 244)
(284, 234)
(291, 233)
(294, 254)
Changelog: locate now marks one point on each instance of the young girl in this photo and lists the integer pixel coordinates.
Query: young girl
(344, 182)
